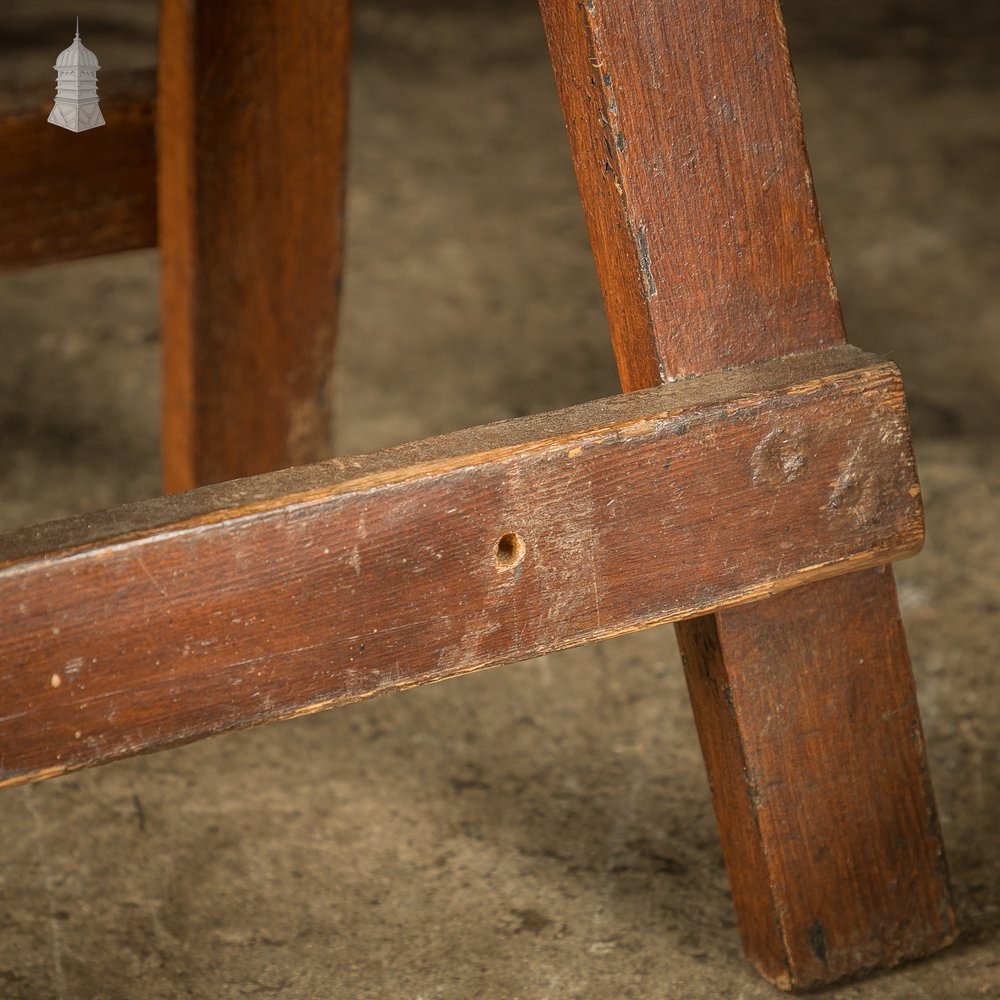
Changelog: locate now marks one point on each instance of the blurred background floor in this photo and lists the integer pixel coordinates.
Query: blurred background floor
(543, 830)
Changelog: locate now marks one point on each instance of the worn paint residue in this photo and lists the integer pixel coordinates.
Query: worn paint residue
(647, 272)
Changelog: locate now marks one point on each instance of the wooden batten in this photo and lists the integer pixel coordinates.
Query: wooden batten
(259, 599)
(69, 196)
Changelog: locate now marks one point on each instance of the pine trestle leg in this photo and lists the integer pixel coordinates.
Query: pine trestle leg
(251, 121)
(686, 136)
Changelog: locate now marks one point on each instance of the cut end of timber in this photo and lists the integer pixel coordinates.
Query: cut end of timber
(813, 983)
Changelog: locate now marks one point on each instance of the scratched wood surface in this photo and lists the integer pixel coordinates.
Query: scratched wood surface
(264, 598)
(71, 195)
(251, 118)
(686, 136)
(780, 721)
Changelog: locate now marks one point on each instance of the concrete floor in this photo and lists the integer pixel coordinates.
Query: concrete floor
(542, 830)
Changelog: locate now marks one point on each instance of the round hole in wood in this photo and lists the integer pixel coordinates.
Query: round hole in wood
(509, 550)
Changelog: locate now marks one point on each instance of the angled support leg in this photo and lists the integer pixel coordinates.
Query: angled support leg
(251, 119)
(686, 136)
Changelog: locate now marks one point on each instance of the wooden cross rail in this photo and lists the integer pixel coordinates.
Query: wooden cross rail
(264, 598)
(95, 196)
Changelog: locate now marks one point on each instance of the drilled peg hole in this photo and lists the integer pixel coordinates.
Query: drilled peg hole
(509, 550)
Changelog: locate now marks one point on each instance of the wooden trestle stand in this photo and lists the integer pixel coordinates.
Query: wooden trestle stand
(752, 485)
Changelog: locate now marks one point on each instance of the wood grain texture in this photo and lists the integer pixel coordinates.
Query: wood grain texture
(264, 598)
(861, 881)
(70, 195)
(686, 136)
(251, 122)
(684, 123)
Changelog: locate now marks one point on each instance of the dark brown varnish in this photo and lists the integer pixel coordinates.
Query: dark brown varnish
(264, 598)
(686, 136)
(251, 118)
(859, 850)
(70, 195)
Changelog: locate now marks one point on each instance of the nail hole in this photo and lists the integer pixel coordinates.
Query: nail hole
(509, 550)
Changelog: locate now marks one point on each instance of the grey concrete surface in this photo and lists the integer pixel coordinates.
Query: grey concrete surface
(542, 830)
